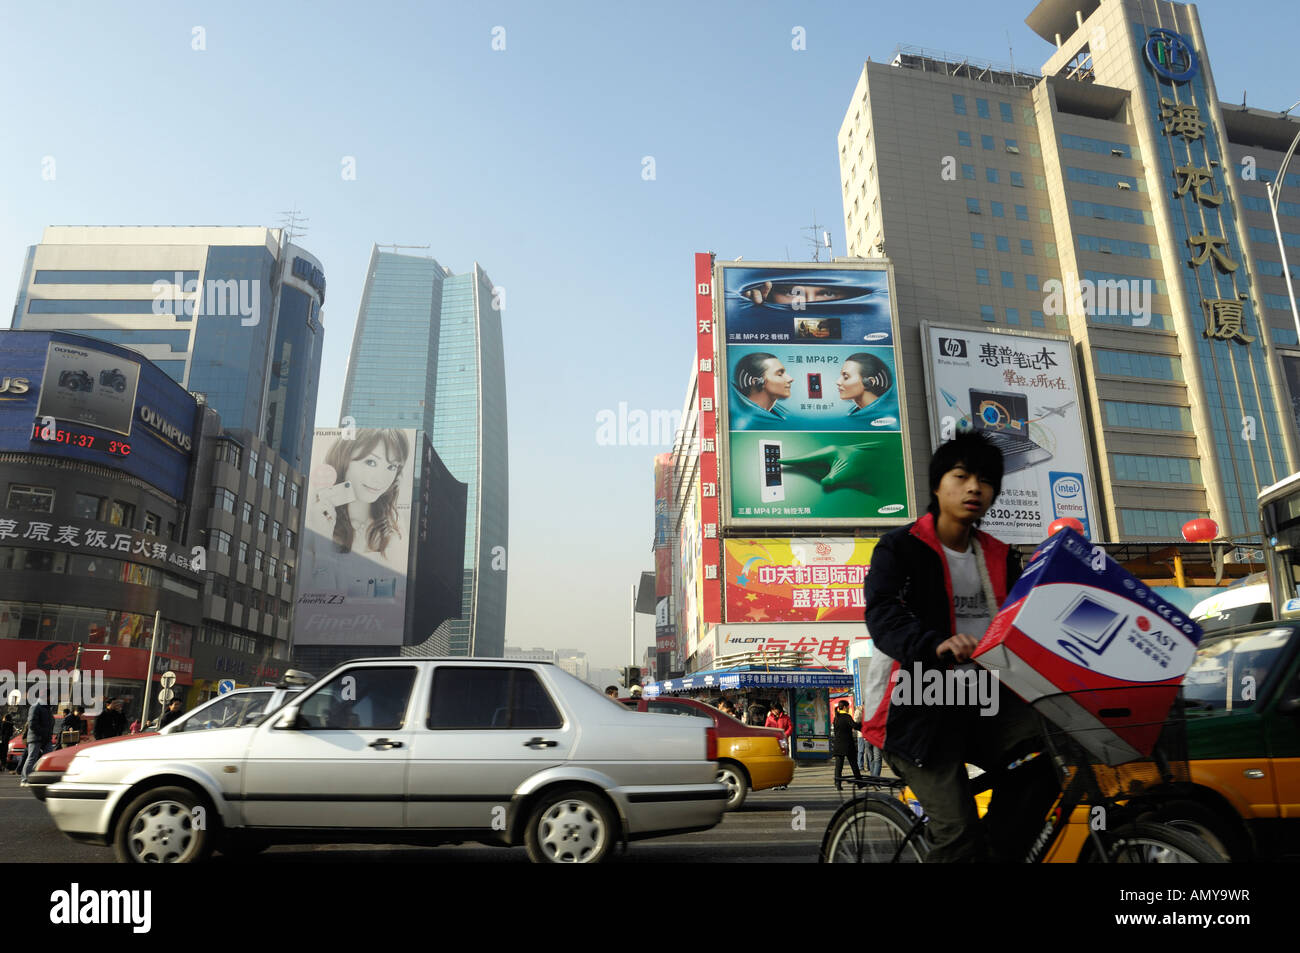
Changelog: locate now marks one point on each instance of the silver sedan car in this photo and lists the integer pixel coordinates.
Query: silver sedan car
(421, 751)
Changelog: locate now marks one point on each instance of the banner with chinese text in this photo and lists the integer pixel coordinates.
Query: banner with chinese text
(796, 580)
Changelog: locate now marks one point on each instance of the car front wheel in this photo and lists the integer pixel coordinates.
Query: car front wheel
(575, 826)
(162, 827)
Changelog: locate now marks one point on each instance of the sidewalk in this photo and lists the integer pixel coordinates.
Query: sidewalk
(821, 774)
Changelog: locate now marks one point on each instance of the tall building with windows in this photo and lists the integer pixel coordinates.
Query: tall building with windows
(231, 314)
(428, 353)
(1118, 169)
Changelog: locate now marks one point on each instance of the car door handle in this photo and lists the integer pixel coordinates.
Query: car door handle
(385, 744)
(540, 743)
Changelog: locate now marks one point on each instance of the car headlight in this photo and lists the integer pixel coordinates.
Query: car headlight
(78, 765)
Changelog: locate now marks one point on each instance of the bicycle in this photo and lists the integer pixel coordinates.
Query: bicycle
(878, 828)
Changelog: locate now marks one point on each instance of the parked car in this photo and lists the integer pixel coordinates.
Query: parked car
(422, 751)
(750, 758)
(242, 706)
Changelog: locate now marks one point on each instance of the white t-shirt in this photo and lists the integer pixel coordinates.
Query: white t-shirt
(974, 614)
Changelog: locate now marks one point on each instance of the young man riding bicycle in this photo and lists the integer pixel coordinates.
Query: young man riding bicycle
(933, 588)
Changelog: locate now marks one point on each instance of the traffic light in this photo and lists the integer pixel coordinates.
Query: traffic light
(631, 676)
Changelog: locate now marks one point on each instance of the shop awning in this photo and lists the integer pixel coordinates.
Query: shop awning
(749, 677)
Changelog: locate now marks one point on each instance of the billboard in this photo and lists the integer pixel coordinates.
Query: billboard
(814, 428)
(352, 572)
(66, 395)
(1021, 391)
(796, 580)
(827, 642)
(88, 386)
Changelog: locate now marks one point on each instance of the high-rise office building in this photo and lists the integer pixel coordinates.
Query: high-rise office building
(1117, 170)
(428, 353)
(231, 314)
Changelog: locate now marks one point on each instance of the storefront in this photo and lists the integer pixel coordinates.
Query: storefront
(803, 693)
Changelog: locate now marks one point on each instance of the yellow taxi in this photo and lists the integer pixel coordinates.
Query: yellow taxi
(750, 758)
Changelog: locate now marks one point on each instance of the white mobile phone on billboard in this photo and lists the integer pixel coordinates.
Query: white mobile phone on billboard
(772, 482)
(339, 495)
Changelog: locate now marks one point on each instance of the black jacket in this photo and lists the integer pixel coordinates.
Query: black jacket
(843, 737)
(40, 724)
(909, 613)
(110, 724)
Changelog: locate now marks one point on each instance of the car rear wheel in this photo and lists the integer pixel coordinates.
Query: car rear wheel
(574, 826)
(737, 782)
(161, 827)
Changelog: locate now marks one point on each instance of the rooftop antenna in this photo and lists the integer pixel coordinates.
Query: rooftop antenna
(819, 239)
(1012, 56)
(293, 223)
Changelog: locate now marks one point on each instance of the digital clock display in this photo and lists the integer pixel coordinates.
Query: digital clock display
(86, 441)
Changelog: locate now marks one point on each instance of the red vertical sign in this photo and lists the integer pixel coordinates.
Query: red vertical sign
(706, 394)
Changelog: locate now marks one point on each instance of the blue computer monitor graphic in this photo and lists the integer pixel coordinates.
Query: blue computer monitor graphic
(1091, 623)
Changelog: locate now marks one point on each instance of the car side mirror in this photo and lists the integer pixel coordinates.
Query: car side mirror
(289, 719)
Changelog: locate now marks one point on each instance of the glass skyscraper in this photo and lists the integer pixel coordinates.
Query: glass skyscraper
(232, 314)
(427, 353)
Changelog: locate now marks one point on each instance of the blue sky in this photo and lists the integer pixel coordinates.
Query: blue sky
(528, 160)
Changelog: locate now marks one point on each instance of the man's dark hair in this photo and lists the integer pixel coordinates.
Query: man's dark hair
(974, 452)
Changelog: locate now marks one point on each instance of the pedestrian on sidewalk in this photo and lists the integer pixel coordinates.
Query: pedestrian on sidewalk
(6, 732)
(40, 726)
(842, 744)
(777, 718)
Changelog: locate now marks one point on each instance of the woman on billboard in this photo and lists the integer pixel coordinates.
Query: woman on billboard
(867, 381)
(359, 514)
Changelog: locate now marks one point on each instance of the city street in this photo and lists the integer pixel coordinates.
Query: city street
(763, 831)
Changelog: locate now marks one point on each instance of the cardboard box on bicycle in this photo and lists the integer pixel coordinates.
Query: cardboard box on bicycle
(1077, 622)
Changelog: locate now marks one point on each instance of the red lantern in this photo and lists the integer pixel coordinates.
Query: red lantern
(1200, 530)
(1062, 523)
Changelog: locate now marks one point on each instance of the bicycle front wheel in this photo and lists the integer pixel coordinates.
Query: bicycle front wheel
(1157, 843)
(874, 830)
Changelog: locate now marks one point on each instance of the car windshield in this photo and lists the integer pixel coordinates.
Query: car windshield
(1229, 671)
(228, 711)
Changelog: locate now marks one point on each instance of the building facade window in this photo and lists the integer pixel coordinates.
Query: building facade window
(30, 499)
(963, 137)
(1008, 279)
(152, 523)
(1153, 367)
(223, 499)
(959, 104)
(982, 108)
(996, 209)
(968, 171)
(219, 541)
(246, 512)
(243, 552)
(1013, 317)
(228, 451)
(261, 522)
(1152, 469)
(280, 481)
(1155, 524)
(976, 239)
(121, 514)
(1004, 110)
(981, 276)
(88, 507)
(1003, 243)
(252, 463)
(1121, 413)
(987, 142)
(986, 312)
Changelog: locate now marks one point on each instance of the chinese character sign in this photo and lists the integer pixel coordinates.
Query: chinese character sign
(809, 380)
(1021, 392)
(796, 580)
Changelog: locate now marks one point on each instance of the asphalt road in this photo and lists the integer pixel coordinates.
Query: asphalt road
(784, 826)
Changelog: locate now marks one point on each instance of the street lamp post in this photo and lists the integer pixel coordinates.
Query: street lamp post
(1273, 189)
